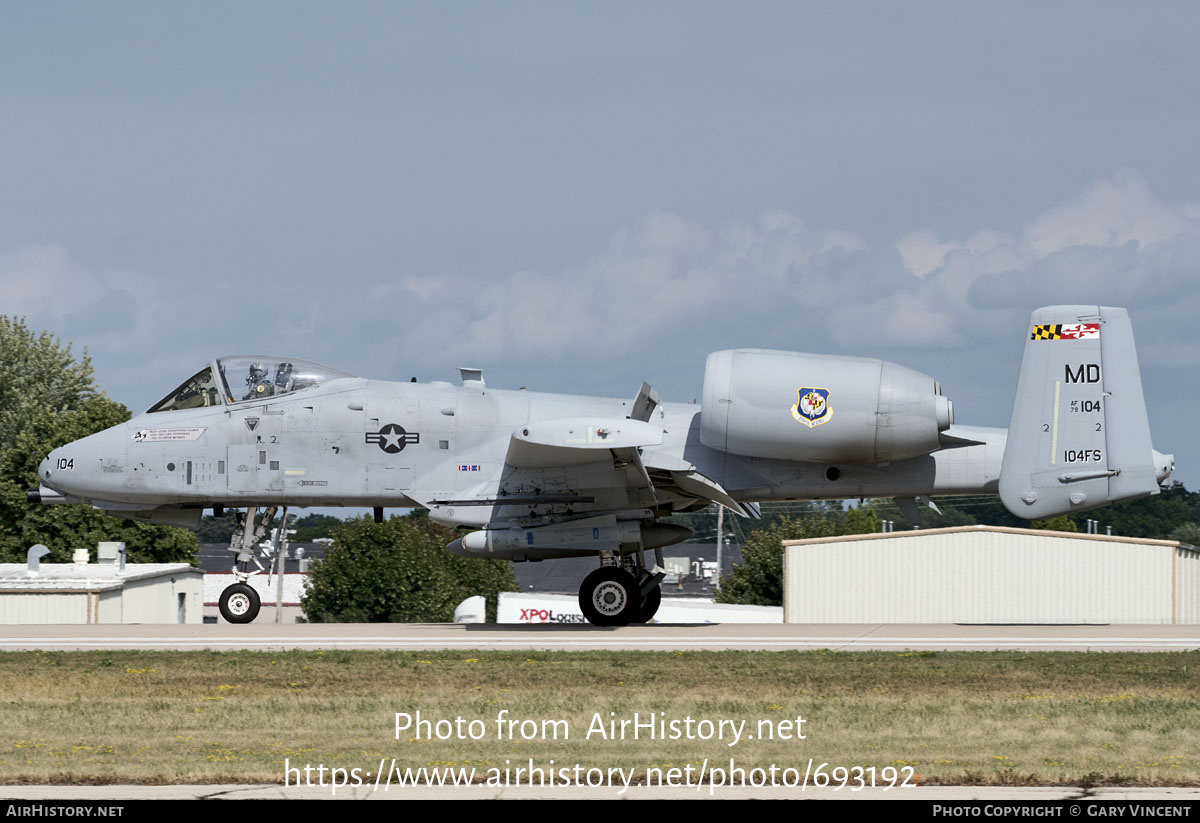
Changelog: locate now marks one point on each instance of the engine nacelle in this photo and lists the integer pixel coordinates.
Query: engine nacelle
(821, 408)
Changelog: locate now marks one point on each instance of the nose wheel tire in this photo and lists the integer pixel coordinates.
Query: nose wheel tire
(650, 603)
(609, 596)
(239, 603)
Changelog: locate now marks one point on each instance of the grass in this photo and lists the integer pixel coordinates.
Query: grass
(979, 718)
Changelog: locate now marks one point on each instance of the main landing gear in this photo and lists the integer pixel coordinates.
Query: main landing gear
(617, 595)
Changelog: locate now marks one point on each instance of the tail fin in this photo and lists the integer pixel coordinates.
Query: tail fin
(1079, 437)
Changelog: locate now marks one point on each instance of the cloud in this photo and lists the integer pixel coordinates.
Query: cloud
(663, 275)
(133, 324)
(45, 283)
(1109, 214)
(666, 281)
(43, 280)
(664, 288)
(1115, 243)
(922, 254)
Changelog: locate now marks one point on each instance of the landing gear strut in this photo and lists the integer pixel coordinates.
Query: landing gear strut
(239, 602)
(650, 604)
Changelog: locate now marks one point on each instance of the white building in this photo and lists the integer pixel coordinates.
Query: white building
(110, 591)
(989, 574)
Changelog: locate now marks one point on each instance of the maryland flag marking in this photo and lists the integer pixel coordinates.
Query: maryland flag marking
(1069, 331)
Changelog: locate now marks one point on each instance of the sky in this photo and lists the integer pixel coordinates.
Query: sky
(580, 196)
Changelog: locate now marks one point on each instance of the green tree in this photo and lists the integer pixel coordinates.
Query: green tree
(1154, 517)
(398, 571)
(47, 399)
(216, 529)
(312, 526)
(1062, 523)
(37, 372)
(702, 523)
(988, 511)
(759, 579)
(1186, 533)
(307, 528)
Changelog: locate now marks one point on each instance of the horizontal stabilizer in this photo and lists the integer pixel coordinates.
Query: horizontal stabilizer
(957, 437)
(1079, 436)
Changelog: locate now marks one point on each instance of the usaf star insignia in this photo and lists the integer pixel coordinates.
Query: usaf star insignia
(393, 438)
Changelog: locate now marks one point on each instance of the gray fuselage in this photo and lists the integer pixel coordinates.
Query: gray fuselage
(358, 442)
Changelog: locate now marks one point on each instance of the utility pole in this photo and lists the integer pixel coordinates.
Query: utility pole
(281, 542)
(720, 545)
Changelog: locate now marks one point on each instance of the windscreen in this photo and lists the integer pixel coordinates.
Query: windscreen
(198, 390)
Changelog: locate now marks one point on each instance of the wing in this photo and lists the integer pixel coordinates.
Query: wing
(569, 468)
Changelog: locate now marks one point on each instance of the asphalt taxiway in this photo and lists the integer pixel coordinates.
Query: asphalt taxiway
(771, 637)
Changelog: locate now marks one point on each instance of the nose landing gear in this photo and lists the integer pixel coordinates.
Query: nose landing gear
(239, 602)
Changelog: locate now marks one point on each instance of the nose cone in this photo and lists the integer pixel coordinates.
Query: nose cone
(76, 468)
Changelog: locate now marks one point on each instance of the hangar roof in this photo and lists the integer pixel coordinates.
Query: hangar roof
(14, 577)
(1144, 541)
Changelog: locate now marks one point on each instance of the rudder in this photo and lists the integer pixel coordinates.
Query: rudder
(1079, 436)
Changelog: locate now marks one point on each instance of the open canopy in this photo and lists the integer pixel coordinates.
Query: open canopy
(247, 377)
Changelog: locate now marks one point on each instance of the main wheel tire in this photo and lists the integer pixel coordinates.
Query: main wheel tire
(239, 603)
(609, 596)
(650, 603)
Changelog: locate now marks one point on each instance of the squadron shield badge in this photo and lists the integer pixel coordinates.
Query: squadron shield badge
(812, 407)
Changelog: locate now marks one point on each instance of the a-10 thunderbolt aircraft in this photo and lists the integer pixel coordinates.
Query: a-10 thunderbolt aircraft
(541, 476)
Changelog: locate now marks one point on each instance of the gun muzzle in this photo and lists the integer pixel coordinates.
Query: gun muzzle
(44, 494)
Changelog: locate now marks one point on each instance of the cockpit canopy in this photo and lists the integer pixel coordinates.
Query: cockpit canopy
(253, 377)
(247, 377)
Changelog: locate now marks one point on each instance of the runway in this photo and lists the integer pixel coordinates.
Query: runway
(705, 637)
